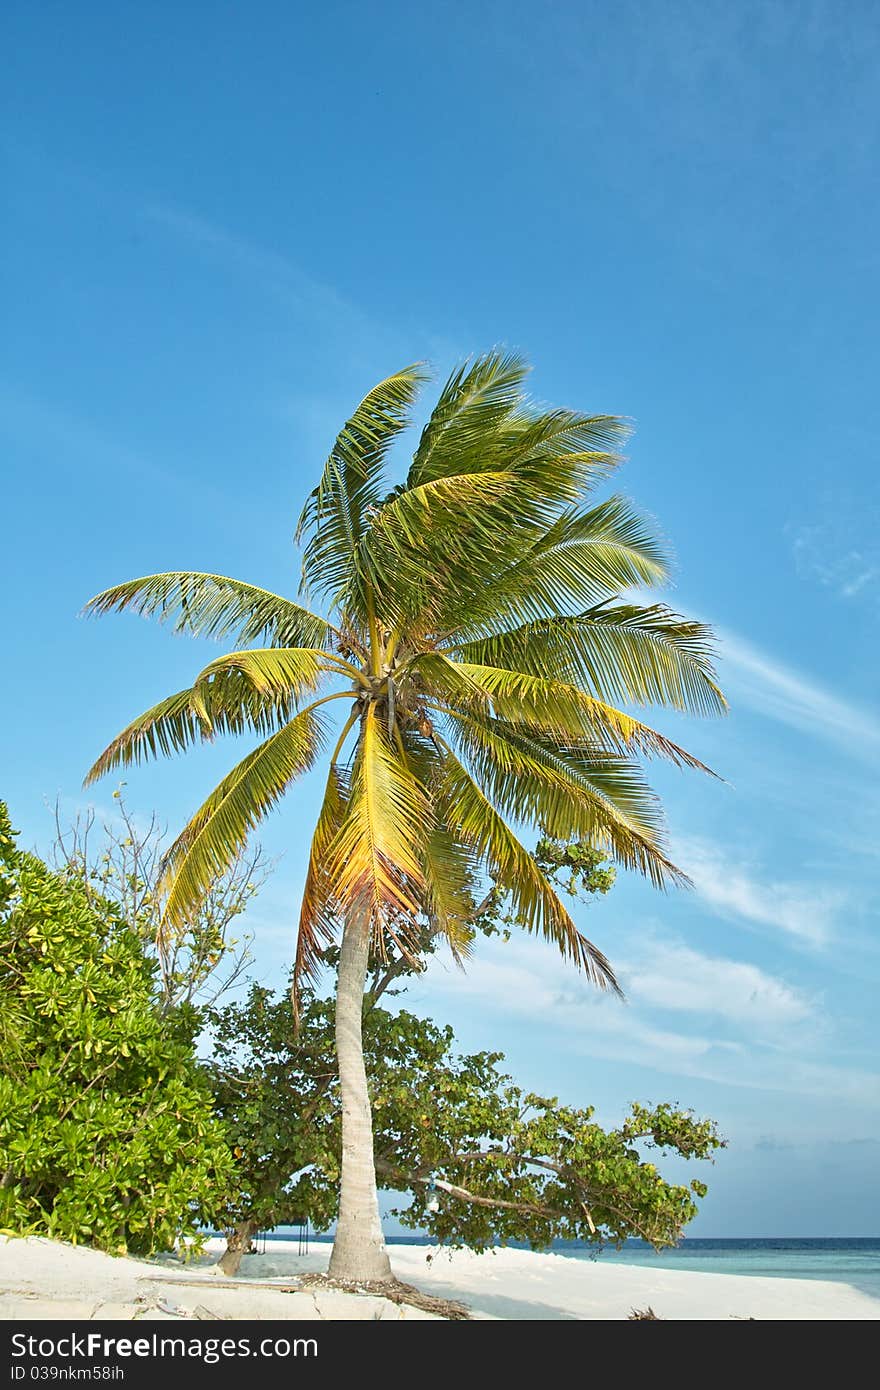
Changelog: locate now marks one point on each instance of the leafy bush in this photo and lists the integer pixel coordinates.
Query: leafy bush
(107, 1130)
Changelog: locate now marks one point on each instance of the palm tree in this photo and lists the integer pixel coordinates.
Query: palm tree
(473, 624)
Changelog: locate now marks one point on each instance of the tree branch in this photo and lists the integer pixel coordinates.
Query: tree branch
(626, 1213)
(464, 1195)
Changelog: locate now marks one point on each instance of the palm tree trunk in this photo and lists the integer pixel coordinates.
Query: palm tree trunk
(359, 1247)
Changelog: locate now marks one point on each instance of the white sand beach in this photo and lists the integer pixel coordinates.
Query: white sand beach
(42, 1279)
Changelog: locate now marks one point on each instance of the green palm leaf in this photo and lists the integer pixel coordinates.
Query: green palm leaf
(644, 656)
(478, 397)
(451, 879)
(430, 540)
(583, 558)
(588, 792)
(336, 514)
(211, 605)
(473, 817)
(563, 451)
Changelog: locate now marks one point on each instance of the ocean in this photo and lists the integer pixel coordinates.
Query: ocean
(846, 1260)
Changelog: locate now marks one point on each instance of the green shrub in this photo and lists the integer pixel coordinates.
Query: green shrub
(107, 1129)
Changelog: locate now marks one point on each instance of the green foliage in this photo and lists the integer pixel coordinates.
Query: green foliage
(573, 867)
(582, 865)
(506, 1166)
(107, 1133)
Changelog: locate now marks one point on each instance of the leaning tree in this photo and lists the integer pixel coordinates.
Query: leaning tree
(478, 631)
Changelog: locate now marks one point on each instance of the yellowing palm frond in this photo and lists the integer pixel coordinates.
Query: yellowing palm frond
(218, 831)
(168, 727)
(229, 705)
(375, 859)
(279, 671)
(551, 706)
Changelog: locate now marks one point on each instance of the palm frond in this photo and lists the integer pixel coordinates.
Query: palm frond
(228, 705)
(563, 451)
(477, 398)
(484, 425)
(586, 791)
(640, 655)
(212, 605)
(450, 890)
(336, 514)
(644, 655)
(541, 703)
(377, 851)
(465, 809)
(219, 829)
(582, 559)
(287, 672)
(433, 538)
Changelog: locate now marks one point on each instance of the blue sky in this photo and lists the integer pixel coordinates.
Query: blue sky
(224, 223)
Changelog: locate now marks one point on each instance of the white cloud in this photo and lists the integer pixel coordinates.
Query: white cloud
(802, 910)
(311, 300)
(524, 981)
(355, 339)
(825, 552)
(274, 270)
(673, 976)
(755, 679)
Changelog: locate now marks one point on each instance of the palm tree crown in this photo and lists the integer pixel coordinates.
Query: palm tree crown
(472, 619)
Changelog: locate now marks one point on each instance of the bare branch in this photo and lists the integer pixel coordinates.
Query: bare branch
(125, 871)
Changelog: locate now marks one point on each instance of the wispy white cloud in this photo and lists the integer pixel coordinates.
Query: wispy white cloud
(675, 977)
(773, 1047)
(354, 330)
(275, 271)
(826, 552)
(353, 337)
(771, 688)
(802, 910)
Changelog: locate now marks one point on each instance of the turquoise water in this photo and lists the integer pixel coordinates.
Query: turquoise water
(854, 1261)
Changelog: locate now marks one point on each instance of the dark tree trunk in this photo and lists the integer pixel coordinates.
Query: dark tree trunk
(237, 1244)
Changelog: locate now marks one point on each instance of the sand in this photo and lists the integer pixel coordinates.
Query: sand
(46, 1279)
